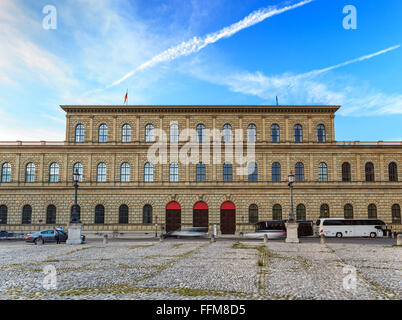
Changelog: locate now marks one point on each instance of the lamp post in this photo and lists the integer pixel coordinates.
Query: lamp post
(75, 218)
(291, 225)
(75, 225)
(290, 184)
(156, 226)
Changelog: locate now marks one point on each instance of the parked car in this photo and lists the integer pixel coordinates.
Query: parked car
(273, 229)
(48, 236)
(6, 234)
(189, 232)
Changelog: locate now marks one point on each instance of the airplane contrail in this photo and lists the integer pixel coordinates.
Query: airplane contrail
(369, 56)
(198, 43)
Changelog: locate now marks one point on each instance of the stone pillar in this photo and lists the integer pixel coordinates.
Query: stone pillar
(291, 232)
(322, 239)
(399, 239)
(265, 238)
(74, 233)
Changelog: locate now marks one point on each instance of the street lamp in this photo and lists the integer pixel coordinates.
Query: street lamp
(156, 226)
(75, 225)
(75, 218)
(290, 184)
(291, 225)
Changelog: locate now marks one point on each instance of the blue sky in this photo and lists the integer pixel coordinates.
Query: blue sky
(201, 52)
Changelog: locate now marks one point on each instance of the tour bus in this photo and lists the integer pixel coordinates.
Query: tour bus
(339, 227)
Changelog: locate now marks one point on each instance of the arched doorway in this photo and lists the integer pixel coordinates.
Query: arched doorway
(173, 216)
(200, 214)
(228, 218)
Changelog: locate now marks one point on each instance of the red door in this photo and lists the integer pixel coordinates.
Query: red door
(228, 218)
(173, 216)
(200, 214)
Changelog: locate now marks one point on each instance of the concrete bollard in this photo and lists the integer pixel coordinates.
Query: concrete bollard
(212, 238)
(399, 239)
(265, 238)
(322, 239)
(105, 239)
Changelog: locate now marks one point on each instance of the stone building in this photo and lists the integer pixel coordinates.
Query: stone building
(120, 190)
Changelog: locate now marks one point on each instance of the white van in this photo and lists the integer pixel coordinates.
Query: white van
(338, 227)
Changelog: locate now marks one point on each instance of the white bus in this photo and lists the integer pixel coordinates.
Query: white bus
(338, 227)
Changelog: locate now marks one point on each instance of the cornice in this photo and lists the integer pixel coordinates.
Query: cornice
(210, 109)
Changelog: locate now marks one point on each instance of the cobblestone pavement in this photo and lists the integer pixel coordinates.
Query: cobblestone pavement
(202, 270)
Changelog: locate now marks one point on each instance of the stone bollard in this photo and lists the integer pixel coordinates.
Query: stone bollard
(161, 238)
(322, 239)
(105, 239)
(399, 239)
(265, 238)
(212, 238)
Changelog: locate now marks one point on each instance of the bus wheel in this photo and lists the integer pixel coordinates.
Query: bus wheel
(373, 235)
(339, 234)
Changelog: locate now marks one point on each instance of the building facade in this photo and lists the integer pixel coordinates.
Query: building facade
(121, 190)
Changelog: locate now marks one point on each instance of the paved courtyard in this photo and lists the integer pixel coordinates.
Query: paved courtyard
(201, 270)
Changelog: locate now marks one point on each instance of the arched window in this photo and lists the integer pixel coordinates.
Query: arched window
(125, 172)
(346, 175)
(79, 133)
(396, 213)
(275, 133)
(324, 211)
(78, 211)
(148, 172)
(78, 166)
(253, 214)
(147, 214)
(322, 172)
(227, 133)
(298, 133)
(30, 172)
(299, 172)
(252, 172)
(276, 172)
(277, 212)
(3, 214)
(320, 133)
(348, 211)
(123, 214)
(369, 172)
(174, 132)
(300, 212)
(126, 133)
(54, 173)
(27, 214)
(102, 133)
(227, 172)
(51, 214)
(251, 133)
(372, 211)
(99, 214)
(200, 172)
(6, 173)
(174, 172)
(393, 171)
(149, 133)
(200, 132)
(101, 172)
